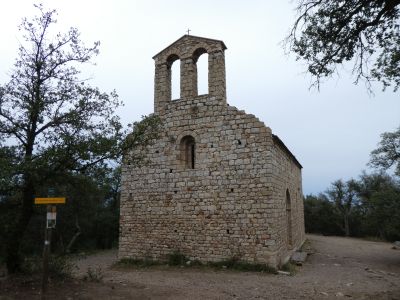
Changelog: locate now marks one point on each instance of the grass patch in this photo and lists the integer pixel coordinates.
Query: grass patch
(178, 259)
(139, 263)
(307, 247)
(238, 265)
(289, 267)
(60, 266)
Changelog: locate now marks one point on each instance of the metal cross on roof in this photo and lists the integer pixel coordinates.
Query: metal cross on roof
(188, 31)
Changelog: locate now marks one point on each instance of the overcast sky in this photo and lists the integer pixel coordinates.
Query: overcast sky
(331, 132)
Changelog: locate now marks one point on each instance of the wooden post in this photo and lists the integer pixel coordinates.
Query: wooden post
(51, 214)
(46, 253)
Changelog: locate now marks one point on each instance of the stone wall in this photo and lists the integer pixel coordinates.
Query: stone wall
(232, 203)
(287, 182)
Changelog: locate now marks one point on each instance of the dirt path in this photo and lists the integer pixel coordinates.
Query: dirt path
(339, 267)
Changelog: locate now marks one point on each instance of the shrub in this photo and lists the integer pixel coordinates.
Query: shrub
(133, 262)
(289, 267)
(60, 267)
(236, 264)
(94, 275)
(176, 258)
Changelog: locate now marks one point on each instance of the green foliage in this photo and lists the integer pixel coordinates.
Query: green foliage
(236, 264)
(289, 267)
(380, 209)
(60, 267)
(52, 121)
(8, 161)
(330, 213)
(375, 213)
(343, 195)
(140, 263)
(388, 152)
(60, 132)
(320, 216)
(92, 209)
(176, 258)
(143, 133)
(8, 213)
(329, 33)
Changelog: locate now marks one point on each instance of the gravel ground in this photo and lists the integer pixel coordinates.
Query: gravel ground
(337, 267)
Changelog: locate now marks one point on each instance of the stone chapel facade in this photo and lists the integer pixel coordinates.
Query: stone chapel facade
(218, 183)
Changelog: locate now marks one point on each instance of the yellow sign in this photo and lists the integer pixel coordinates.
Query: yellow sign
(50, 200)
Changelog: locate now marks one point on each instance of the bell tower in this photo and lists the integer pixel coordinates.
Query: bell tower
(187, 50)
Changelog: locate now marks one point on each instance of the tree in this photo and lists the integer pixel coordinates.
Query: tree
(8, 159)
(91, 217)
(53, 122)
(321, 216)
(328, 33)
(368, 207)
(343, 195)
(388, 152)
(380, 202)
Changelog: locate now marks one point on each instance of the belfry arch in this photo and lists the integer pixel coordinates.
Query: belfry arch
(172, 62)
(201, 68)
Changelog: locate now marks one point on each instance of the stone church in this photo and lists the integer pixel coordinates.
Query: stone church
(218, 183)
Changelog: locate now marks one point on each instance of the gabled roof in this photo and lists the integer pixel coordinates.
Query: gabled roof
(191, 37)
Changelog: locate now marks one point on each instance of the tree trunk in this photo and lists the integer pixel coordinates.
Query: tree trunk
(346, 225)
(16, 233)
(76, 235)
(62, 243)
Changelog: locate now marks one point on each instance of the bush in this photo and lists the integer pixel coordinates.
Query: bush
(289, 267)
(60, 267)
(94, 275)
(236, 264)
(320, 216)
(141, 263)
(177, 259)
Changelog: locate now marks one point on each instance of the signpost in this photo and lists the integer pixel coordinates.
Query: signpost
(50, 224)
(50, 200)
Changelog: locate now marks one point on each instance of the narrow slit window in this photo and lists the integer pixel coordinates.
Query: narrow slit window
(289, 219)
(192, 156)
(188, 152)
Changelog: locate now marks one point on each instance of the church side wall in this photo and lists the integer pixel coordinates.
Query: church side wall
(287, 182)
(222, 208)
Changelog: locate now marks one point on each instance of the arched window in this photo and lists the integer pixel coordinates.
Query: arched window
(174, 66)
(289, 218)
(200, 58)
(188, 148)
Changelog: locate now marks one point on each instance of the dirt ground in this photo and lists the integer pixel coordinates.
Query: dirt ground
(336, 268)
